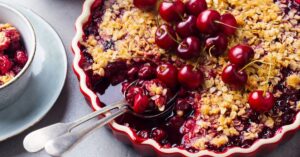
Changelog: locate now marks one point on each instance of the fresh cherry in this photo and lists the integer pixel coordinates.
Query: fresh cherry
(146, 72)
(261, 101)
(190, 78)
(235, 78)
(145, 4)
(172, 11)
(187, 27)
(195, 7)
(165, 37)
(240, 55)
(167, 73)
(5, 64)
(206, 21)
(228, 19)
(216, 45)
(189, 48)
(140, 103)
(20, 57)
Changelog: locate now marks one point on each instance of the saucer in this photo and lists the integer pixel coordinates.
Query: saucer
(49, 70)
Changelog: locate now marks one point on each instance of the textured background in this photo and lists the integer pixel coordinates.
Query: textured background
(61, 14)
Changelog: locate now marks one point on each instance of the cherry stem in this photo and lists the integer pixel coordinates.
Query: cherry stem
(182, 18)
(268, 79)
(209, 51)
(225, 24)
(157, 21)
(173, 38)
(157, 5)
(198, 59)
(255, 61)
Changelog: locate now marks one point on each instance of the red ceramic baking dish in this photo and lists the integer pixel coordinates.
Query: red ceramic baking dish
(149, 146)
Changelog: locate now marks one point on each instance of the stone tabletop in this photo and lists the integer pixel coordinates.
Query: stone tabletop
(61, 14)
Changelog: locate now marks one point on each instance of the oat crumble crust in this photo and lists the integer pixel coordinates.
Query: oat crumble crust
(273, 35)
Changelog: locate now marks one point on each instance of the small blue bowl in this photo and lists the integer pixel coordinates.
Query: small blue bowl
(11, 91)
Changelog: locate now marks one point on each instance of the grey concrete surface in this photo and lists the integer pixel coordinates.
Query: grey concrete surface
(61, 14)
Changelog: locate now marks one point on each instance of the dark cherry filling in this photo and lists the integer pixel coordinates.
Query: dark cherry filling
(171, 131)
(290, 5)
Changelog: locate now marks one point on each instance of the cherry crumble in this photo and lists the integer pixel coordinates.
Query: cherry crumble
(13, 55)
(234, 65)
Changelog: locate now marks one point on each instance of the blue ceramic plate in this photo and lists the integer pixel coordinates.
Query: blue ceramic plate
(49, 70)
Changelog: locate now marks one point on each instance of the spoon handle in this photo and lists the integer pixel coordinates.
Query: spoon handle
(92, 115)
(61, 144)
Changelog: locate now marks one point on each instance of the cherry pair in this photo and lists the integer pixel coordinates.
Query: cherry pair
(234, 74)
(165, 37)
(187, 76)
(210, 21)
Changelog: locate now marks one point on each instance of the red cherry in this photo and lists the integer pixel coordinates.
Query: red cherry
(172, 11)
(189, 48)
(240, 55)
(233, 77)
(5, 64)
(167, 73)
(190, 78)
(187, 27)
(217, 45)
(206, 22)
(165, 37)
(182, 107)
(146, 72)
(140, 103)
(145, 4)
(143, 134)
(132, 92)
(21, 57)
(195, 7)
(132, 73)
(175, 122)
(230, 20)
(260, 101)
(297, 1)
(158, 134)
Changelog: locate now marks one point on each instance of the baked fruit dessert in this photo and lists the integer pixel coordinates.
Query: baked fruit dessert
(13, 55)
(233, 67)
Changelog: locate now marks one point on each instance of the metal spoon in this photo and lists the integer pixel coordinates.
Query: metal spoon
(60, 137)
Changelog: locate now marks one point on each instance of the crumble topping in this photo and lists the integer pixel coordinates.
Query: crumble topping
(293, 81)
(221, 111)
(131, 29)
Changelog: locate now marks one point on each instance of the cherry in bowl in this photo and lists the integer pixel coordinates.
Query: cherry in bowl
(187, 27)
(216, 45)
(234, 77)
(190, 77)
(145, 4)
(261, 101)
(240, 55)
(206, 22)
(195, 7)
(172, 11)
(189, 48)
(165, 37)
